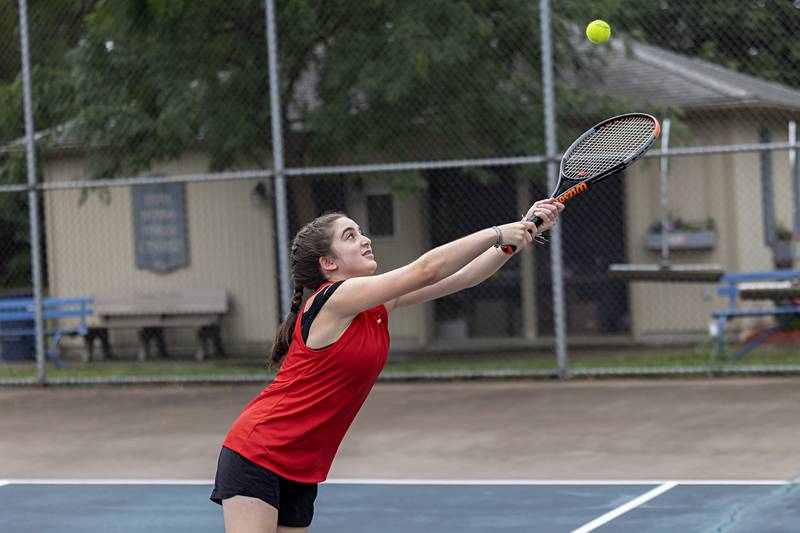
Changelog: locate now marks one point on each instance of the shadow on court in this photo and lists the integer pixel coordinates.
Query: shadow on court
(400, 508)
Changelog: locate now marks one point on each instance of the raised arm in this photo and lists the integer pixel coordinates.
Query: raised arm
(361, 293)
(472, 274)
(481, 268)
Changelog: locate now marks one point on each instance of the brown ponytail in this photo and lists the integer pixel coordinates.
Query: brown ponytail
(311, 242)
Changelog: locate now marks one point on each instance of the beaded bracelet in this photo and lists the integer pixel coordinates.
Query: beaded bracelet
(499, 233)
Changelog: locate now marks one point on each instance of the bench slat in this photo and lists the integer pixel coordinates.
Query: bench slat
(27, 303)
(760, 276)
(22, 332)
(153, 321)
(757, 312)
(167, 302)
(11, 316)
(760, 290)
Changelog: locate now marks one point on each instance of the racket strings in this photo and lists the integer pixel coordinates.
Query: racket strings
(609, 146)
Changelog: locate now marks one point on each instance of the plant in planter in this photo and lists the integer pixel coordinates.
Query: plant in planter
(683, 235)
(782, 247)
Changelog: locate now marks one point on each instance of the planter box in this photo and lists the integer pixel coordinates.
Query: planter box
(782, 254)
(683, 240)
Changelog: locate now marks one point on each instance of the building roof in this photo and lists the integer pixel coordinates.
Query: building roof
(645, 73)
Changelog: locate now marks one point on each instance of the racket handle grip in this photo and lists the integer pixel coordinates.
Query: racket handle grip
(510, 248)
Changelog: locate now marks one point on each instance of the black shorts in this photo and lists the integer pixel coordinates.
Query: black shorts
(238, 476)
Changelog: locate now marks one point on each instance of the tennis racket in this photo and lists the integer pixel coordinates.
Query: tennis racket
(601, 152)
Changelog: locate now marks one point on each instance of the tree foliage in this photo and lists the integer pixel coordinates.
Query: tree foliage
(142, 81)
(150, 79)
(757, 37)
(53, 29)
(146, 80)
(137, 82)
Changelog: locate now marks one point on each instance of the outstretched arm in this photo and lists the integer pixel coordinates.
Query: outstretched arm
(481, 268)
(477, 271)
(362, 293)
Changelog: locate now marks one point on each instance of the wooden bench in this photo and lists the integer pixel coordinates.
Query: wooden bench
(781, 285)
(151, 311)
(22, 310)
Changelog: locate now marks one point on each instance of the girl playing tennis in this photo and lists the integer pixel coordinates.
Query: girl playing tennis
(333, 347)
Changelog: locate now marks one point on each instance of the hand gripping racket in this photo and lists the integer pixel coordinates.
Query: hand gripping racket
(601, 152)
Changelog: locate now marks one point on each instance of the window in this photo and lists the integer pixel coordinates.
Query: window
(380, 215)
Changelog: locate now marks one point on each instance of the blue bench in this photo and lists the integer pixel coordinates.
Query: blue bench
(776, 285)
(22, 310)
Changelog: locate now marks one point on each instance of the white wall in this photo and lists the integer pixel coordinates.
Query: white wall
(409, 326)
(90, 248)
(726, 188)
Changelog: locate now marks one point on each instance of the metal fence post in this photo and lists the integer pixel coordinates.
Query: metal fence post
(281, 211)
(556, 261)
(794, 169)
(33, 194)
(664, 184)
(527, 268)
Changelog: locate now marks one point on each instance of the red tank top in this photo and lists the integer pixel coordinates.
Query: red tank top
(295, 426)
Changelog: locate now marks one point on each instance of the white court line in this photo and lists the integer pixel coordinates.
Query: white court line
(389, 481)
(622, 509)
(110, 481)
(393, 481)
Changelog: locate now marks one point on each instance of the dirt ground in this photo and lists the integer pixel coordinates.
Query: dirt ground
(621, 429)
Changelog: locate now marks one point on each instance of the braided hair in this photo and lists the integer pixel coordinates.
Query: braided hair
(310, 243)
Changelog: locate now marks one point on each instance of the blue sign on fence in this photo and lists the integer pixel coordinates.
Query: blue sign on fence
(159, 226)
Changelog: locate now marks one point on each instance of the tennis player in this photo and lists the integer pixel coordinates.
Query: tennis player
(333, 347)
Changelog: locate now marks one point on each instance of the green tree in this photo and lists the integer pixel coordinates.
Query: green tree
(393, 79)
(757, 37)
(151, 78)
(141, 81)
(54, 27)
(136, 82)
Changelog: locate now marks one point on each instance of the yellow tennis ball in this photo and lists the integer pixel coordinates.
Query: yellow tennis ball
(598, 31)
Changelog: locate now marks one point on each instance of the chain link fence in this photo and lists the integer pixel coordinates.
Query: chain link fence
(163, 178)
